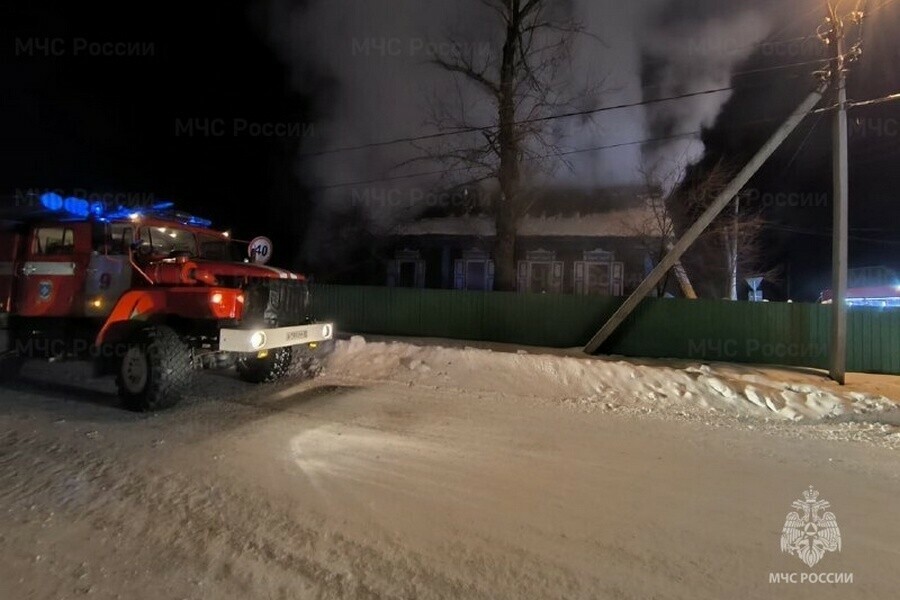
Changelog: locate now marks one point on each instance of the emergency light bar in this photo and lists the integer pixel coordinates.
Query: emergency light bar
(81, 208)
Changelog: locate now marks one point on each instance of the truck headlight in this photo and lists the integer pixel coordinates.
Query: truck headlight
(258, 339)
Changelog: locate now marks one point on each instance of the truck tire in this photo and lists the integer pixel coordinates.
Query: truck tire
(269, 369)
(308, 364)
(155, 371)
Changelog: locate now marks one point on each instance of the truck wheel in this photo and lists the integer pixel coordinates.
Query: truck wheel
(269, 369)
(309, 363)
(155, 370)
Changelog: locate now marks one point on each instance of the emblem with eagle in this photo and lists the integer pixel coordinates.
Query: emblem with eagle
(809, 533)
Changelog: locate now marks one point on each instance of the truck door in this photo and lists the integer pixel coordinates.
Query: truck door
(51, 276)
(109, 270)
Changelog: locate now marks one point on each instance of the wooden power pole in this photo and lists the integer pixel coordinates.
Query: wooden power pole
(718, 205)
(838, 353)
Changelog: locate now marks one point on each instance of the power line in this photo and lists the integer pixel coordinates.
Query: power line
(686, 134)
(460, 169)
(803, 144)
(883, 100)
(799, 18)
(861, 104)
(462, 130)
(762, 44)
(581, 113)
(801, 231)
(805, 63)
(540, 157)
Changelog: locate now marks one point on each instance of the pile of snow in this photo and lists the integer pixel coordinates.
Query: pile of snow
(590, 382)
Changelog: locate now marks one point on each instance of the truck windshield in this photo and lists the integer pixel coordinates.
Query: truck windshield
(166, 240)
(216, 248)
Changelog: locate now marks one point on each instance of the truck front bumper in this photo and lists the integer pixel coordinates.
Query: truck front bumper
(260, 340)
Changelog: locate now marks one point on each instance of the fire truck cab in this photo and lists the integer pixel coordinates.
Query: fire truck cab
(150, 297)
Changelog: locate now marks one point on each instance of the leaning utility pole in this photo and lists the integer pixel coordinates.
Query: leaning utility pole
(838, 353)
(718, 205)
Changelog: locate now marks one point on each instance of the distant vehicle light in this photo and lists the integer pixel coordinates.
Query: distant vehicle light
(216, 298)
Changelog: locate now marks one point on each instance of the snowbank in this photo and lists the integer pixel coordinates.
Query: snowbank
(594, 383)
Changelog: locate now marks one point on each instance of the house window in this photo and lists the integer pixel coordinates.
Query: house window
(407, 270)
(476, 275)
(474, 272)
(540, 273)
(599, 275)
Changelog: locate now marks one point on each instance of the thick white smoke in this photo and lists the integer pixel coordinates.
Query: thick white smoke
(692, 56)
(368, 61)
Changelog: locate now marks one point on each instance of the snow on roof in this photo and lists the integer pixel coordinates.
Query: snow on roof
(633, 222)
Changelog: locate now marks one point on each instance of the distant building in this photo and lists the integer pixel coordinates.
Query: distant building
(572, 242)
(877, 287)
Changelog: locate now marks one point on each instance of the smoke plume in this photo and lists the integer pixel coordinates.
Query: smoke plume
(366, 65)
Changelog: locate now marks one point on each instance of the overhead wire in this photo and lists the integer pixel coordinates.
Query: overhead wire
(572, 114)
(478, 129)
(892, 97)
(582, 113)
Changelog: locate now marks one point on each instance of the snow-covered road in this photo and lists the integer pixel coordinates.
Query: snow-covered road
(421, 472)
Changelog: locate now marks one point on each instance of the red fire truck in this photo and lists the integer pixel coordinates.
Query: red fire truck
(151, 297)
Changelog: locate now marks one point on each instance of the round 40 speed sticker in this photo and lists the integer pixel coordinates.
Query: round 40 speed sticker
(260, 250)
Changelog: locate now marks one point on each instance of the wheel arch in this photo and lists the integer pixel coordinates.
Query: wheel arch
(134, 311)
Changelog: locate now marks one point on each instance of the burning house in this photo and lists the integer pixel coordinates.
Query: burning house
(580, 242)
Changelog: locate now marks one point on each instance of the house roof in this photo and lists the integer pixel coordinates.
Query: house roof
(618, 223)
(612, 212)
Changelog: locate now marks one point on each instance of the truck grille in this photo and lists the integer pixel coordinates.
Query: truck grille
(276, 303)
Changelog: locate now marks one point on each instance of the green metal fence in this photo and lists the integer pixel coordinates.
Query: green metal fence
(706, 330)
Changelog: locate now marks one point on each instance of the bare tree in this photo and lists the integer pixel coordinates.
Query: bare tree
(655, 231)
(524, 81)
(732, 247)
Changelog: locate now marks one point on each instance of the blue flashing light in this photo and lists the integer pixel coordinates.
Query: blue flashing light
(77, 207)
(198, 222)
(120, 213)
(81, 208)
(52, 201)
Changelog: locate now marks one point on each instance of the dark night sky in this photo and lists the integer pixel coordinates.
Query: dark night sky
(801, 170)
(108, 124)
